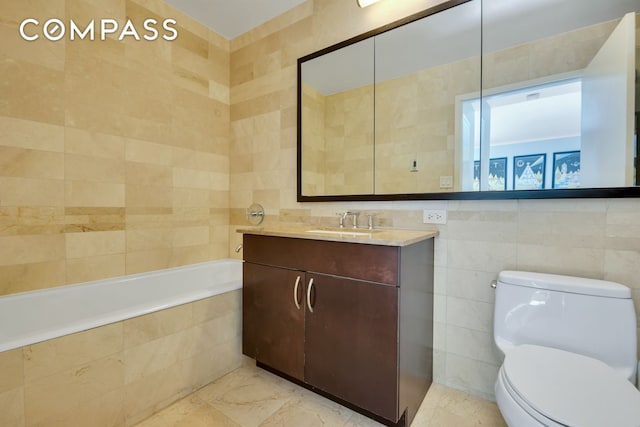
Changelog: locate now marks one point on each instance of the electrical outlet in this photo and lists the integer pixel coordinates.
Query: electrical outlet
(434, 216)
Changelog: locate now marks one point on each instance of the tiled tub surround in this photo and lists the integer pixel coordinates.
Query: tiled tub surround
(122, 372)
(114, 155)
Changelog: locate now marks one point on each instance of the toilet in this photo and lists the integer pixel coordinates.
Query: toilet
(570, 351)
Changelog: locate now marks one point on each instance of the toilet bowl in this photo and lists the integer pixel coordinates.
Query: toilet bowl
(541, 386)
(569, 348)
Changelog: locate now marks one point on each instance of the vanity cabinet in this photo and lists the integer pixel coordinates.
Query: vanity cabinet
(274, 326)
(335, 317)
(351, 342)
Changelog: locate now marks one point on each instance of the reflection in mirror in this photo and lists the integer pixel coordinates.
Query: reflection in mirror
(337, 121)
(523, 128)
(527, 95)
(557, 107)
(420, 70)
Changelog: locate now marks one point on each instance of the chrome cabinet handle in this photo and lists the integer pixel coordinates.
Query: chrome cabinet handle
(309, 295)
(295, 293)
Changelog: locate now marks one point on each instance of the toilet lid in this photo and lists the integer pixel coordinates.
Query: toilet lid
(571, 389)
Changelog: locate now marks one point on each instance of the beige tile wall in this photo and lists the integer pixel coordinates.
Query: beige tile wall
(263, 92)
(114, 156)
(349, 141)
(338, 141)
(415, 120)
(597, 238)
(119, 374)
(314, 154)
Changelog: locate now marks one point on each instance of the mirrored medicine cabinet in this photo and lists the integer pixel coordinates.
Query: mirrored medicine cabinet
(476, 99)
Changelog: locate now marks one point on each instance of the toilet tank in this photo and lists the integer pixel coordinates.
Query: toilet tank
(585, 316)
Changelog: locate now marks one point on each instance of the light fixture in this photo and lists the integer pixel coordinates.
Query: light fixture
(365, 3)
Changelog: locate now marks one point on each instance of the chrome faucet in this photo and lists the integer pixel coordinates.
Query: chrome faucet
(344, 215)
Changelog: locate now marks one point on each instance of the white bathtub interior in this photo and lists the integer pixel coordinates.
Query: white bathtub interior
(36, 316)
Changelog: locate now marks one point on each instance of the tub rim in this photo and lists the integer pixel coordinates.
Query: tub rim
(136, 310)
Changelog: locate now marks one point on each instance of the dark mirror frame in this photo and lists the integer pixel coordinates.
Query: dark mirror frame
(611, 192)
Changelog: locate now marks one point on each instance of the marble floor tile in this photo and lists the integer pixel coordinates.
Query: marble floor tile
(189, 412)
(252, 397)
(248, 396)
(444, 406)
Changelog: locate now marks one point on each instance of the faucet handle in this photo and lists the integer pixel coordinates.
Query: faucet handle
(343, 215)
(354, 214)
(370, 220)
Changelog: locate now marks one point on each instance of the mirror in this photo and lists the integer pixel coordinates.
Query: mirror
(558, 91)
(421, 69)
(536, 99)
(337, 112)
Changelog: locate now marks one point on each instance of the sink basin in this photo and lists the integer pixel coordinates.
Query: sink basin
(346, 232)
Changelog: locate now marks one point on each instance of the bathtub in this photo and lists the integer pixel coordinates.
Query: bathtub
(31, 317)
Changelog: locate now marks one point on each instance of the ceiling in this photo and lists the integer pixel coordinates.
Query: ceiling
(537, 113)
(230, 18)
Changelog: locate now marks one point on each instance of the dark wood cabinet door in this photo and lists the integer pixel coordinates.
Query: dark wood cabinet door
(351, 342)
(272, 324)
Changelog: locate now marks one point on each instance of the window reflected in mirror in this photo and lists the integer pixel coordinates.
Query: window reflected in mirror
(525, 131)
(557, 99)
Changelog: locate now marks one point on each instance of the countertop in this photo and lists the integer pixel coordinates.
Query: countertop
(378, 236)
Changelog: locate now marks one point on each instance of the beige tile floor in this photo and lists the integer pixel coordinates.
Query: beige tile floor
(252, 397)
